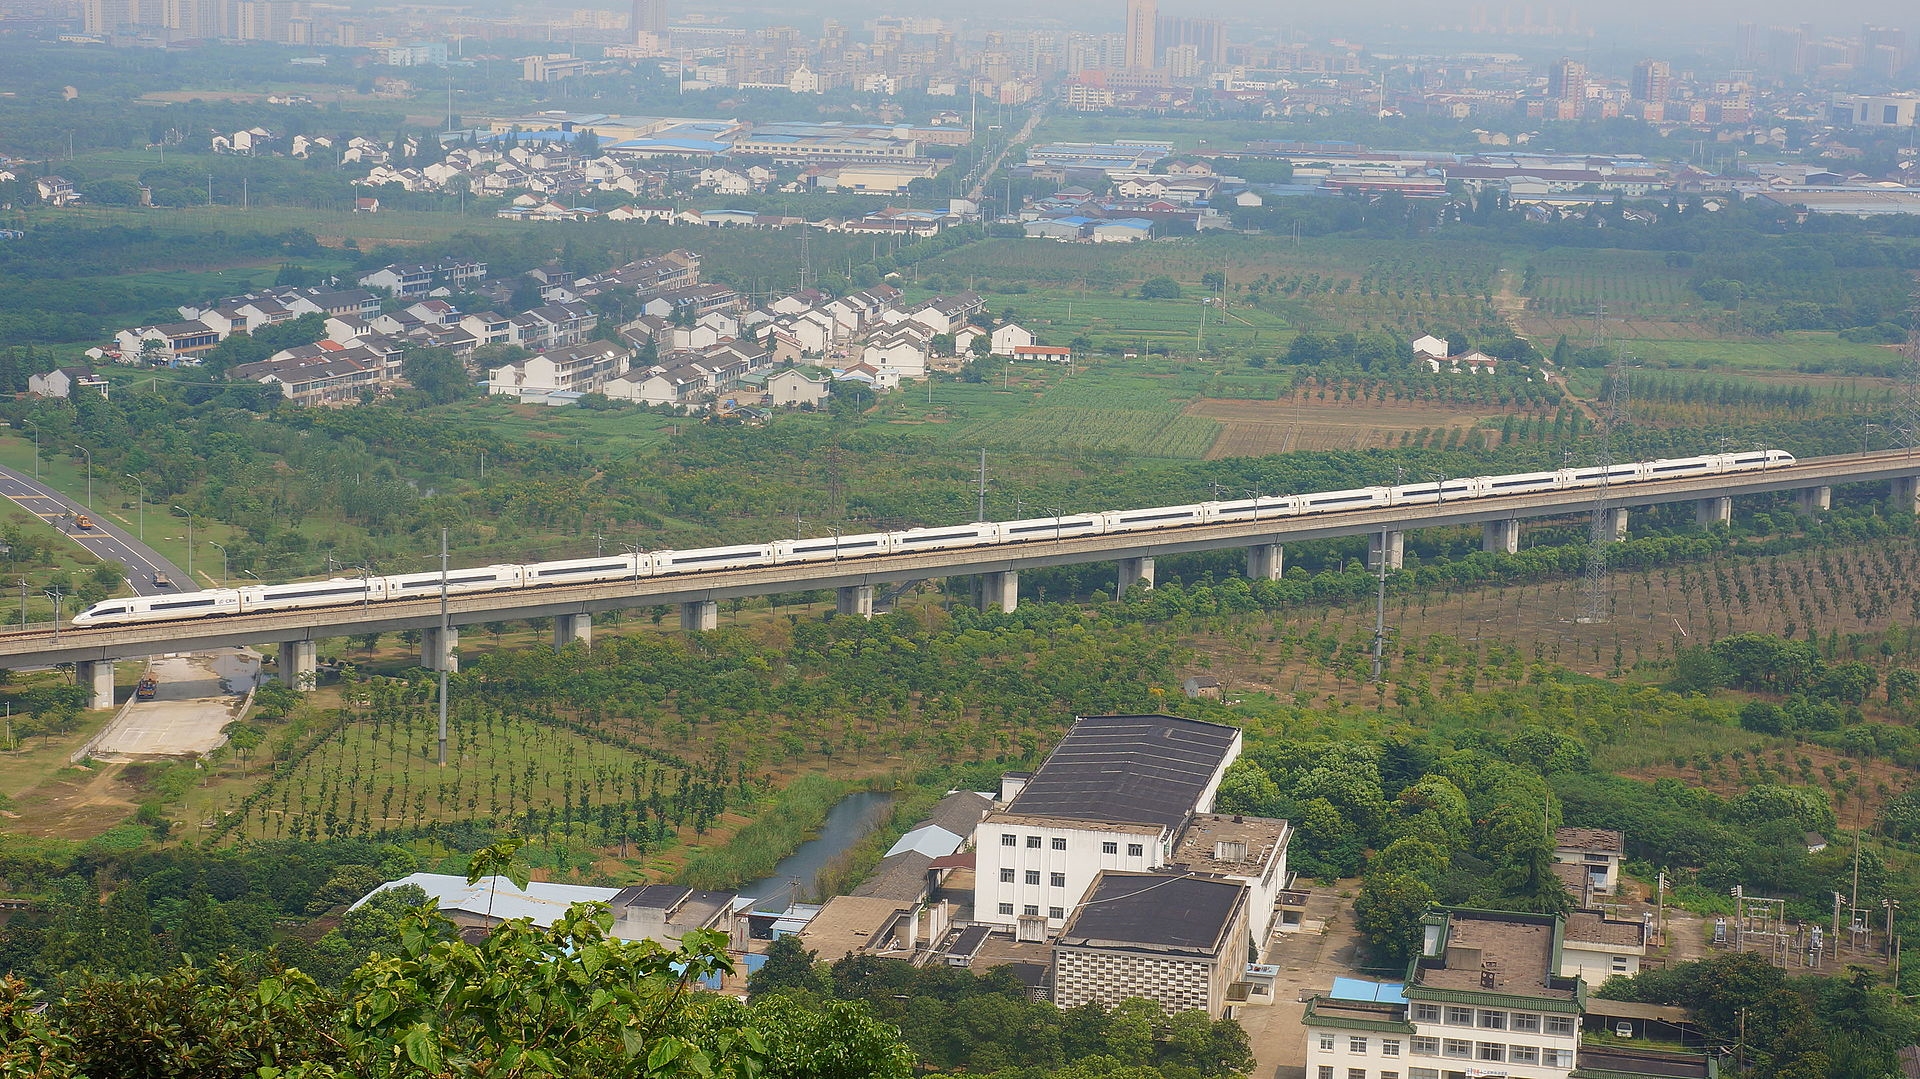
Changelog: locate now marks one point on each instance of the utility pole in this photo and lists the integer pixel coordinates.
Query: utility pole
(1380, 610)
(981, 514)
(440, 649)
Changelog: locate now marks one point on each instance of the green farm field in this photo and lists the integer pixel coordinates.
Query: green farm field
(1803, 351)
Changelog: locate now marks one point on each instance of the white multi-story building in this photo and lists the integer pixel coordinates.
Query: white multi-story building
(1484, 998)
(1115, 794)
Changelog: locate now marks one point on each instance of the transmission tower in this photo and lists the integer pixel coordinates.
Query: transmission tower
(1598, 606)
(1907, 420)
(806, 263)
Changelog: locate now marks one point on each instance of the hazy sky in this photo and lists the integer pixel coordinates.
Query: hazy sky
(1648, 20)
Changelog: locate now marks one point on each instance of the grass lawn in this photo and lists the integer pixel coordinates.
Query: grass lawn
(116, 499)
(1787, 352)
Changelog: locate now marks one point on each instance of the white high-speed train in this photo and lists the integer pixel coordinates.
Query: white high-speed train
(347, 591)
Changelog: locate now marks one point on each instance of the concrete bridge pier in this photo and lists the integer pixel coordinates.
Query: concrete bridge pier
(439, 649)
(1500, 536)
(96, 677)
(1395, 548)
(1812, 500)
(299, 664)
(1613, 524)
(1906, 494)
(569, 628)
(1266, 562)
(699, 616)
(1708, 512)
(854, 599)
(1134, 571)
(1000, 590)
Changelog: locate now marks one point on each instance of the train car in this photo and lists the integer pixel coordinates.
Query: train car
(329, 593)
(1682, 467)
(134, 609)
(1523, 483)
(1597, 475)
(1142, 520)
(458, 582)
(737, 557)
(831, 548)
(1433, 492)
(587, 570)
(1338, 501)
(1757, 460)
(938, 539)
(1065, 526)
(1250, 509)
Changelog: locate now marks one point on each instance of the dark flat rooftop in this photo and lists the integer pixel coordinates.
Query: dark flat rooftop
(1127, 770)
(1155, 910)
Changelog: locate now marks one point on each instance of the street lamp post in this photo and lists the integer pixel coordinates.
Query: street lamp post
(189, 547)
(36, 449)
(89, 454)
(223, 562)
(142, 504)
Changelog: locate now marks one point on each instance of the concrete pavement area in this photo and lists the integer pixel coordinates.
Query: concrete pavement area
(1308, 959)
(197, 696)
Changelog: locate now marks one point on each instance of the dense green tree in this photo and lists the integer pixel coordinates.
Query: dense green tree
(1388, 912)
(437, 374)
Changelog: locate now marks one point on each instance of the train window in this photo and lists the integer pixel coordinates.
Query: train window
(301, 593)
(581, 569)
(929, 538)
(809, 549)
(1676, 466)
(109, 610)
(1516, 481)
(1137, 517)
(181, 604)
(711, 556)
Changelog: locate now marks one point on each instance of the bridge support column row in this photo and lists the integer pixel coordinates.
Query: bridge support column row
(571, 628)
(1135, 573)
(854, 599)
(299, 664)
(1267, 562)
(1502, 537)
(1394, 549)
(1906, 494)
(1812, 500)
(96, 677)
(1001, 590)
(1708, 512)
(439, 649)
(699, 616)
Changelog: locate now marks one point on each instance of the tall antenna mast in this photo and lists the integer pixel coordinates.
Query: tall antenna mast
(806, 262)
(1908, 418)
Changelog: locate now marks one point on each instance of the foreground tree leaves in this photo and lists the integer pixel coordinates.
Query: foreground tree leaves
(569, 1002)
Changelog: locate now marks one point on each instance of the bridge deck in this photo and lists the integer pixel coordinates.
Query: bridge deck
(37, 646)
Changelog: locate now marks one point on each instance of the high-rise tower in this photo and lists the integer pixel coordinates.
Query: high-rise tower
(649, 17)
(1143, 17)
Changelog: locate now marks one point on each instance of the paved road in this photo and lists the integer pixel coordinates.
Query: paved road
(107, 540)
(198, 695)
